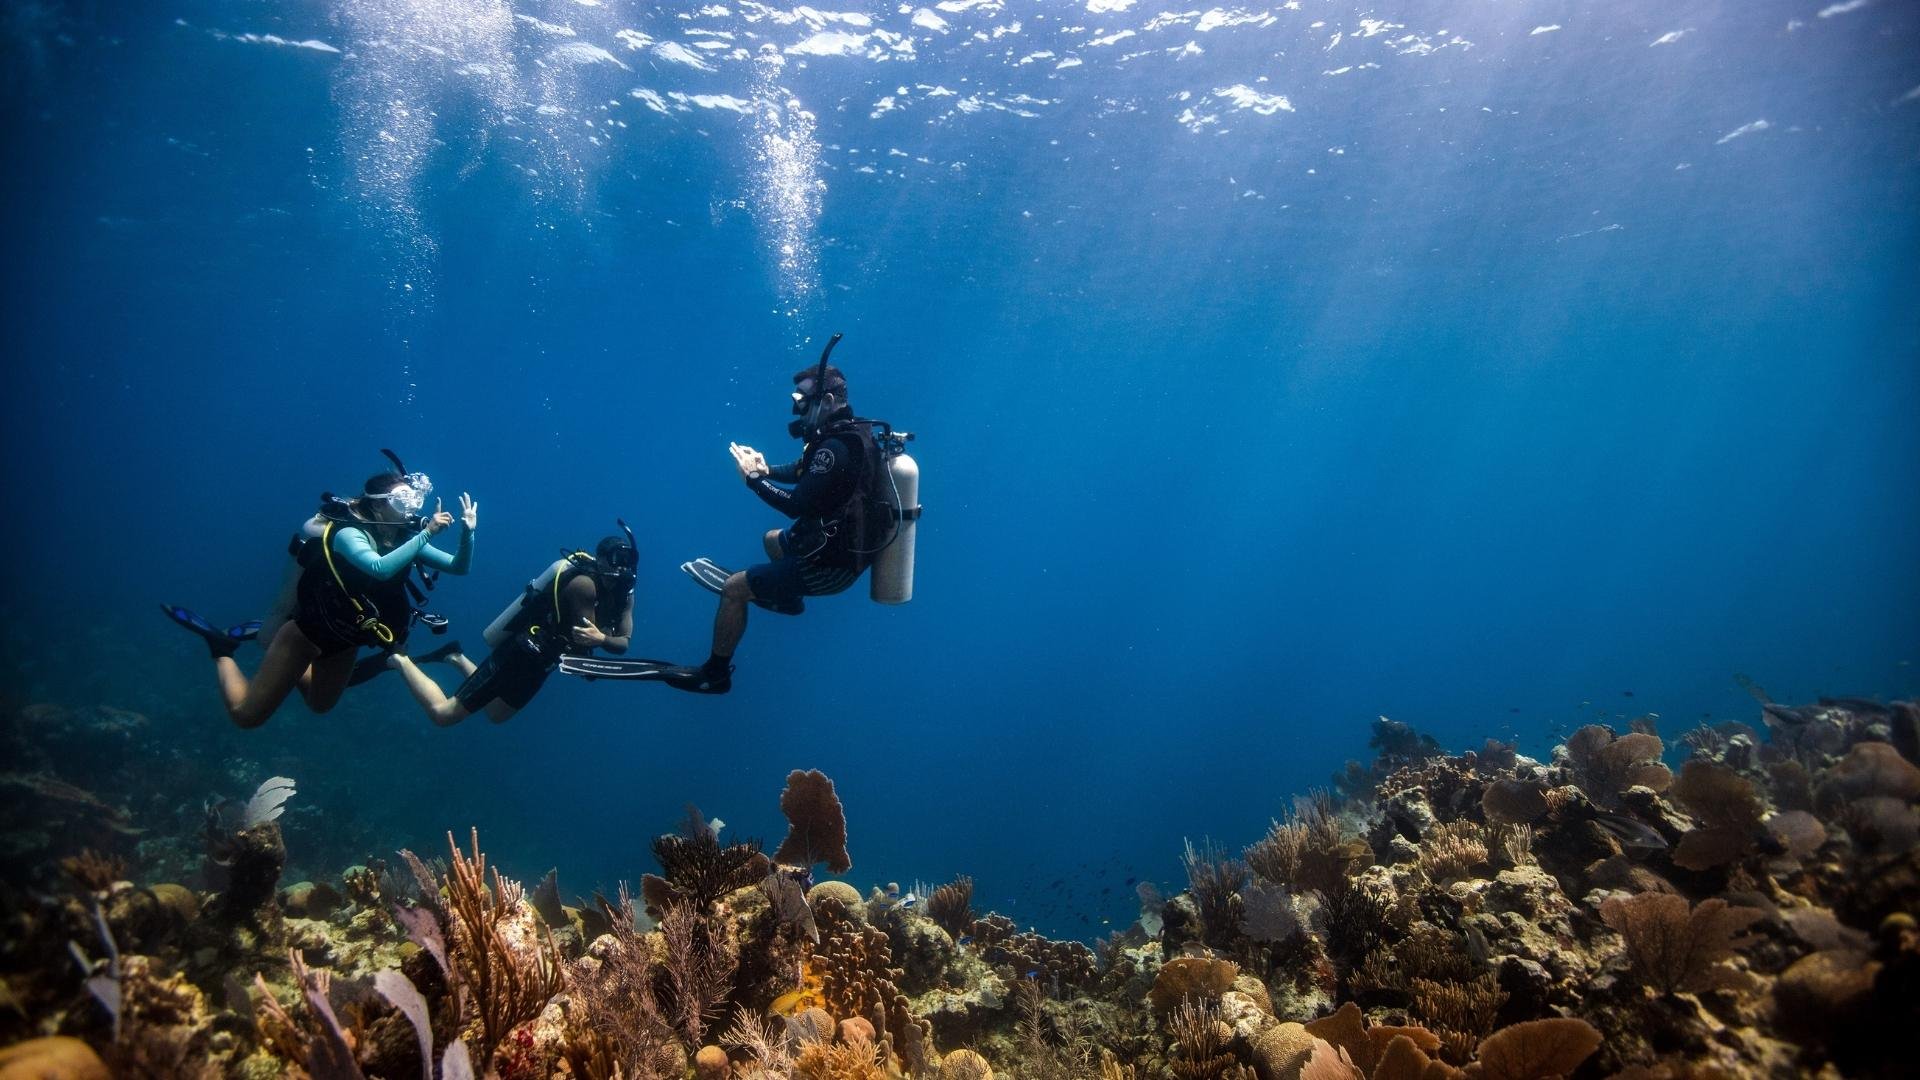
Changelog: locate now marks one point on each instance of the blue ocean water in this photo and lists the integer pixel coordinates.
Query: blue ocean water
(1495, 367)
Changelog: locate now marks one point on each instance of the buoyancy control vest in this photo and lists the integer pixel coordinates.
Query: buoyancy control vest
(355, 605)
(855, 528)
(537, 618)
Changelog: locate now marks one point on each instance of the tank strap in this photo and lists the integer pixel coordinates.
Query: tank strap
(369, 621)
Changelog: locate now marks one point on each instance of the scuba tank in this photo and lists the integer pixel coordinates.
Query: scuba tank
(518, 616)
(891, 580)
(502, 627)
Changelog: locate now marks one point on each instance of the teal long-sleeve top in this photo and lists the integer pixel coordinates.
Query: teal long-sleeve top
(355, 546)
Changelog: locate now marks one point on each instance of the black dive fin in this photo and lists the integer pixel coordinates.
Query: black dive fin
(707, 574)
(451, 648)
(630, 668)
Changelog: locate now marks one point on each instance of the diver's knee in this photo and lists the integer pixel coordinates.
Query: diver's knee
(245, 718)
(736, 588)
(771, 542)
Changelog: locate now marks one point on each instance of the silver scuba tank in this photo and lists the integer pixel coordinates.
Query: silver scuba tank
(891, 578)
(500, 628)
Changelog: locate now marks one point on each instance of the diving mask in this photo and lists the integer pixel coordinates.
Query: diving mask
(409, 495)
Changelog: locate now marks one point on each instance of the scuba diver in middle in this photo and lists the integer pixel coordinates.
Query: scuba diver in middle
(352, 591)
(556, 622)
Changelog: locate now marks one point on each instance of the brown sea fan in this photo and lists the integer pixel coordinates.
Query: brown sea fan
(1604, 766)
(816, 823)
(1671, 948)
(1728, 811)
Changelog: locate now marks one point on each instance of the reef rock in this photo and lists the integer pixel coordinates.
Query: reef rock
(1821, 991)
(57, 1057)
(308, 900)
(841, 891)
(965, 1065)
(1281, 1051)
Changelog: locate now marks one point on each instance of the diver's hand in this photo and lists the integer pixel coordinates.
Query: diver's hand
(588, 634)
(751, 463)
(469, 512)
(440, 519)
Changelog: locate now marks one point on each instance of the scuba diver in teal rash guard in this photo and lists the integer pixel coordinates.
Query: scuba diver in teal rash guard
(354, 557)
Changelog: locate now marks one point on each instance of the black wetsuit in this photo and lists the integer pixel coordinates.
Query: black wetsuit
(515, 671)
(822, 552)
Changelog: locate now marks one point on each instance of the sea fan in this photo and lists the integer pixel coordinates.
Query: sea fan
(268, 802)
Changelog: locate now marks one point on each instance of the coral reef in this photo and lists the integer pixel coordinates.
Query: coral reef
(1747, 912)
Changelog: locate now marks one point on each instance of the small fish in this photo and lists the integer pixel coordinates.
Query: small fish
(909, 900)
(1514, 710)
(1626, 693)
(1131, 881)
(1629, 832)
(966, 939)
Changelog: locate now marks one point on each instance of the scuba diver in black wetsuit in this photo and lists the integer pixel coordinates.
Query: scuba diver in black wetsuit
(352, 591)
(557, 621)
(841, 520)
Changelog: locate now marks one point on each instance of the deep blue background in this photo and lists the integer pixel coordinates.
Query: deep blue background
(1212, 478)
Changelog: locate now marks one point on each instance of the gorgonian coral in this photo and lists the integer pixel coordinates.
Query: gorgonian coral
(1728, 811)
(1671, 948)
(1604, 766)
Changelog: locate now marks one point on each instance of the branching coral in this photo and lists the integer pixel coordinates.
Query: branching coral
(1307, 852)
(1460, 1013)
(93, 871)
(509, 971)
(816, 824)
(951, 906)
(1452, 851)
(1353, 923)
(1214, 880)
(763, 1040)
(1200, 1041)
(699, 869)
(700, 960)
(855, 1059)
(613, 1017)
(1671, 948)
(1604, 766)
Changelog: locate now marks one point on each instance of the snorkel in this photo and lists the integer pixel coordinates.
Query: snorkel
(807, 405)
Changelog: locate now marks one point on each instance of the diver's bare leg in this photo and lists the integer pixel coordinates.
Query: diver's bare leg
(730, 621)
(327, 679)
(250, 702)
(771, 542)
(440, 708)
(460, 661)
